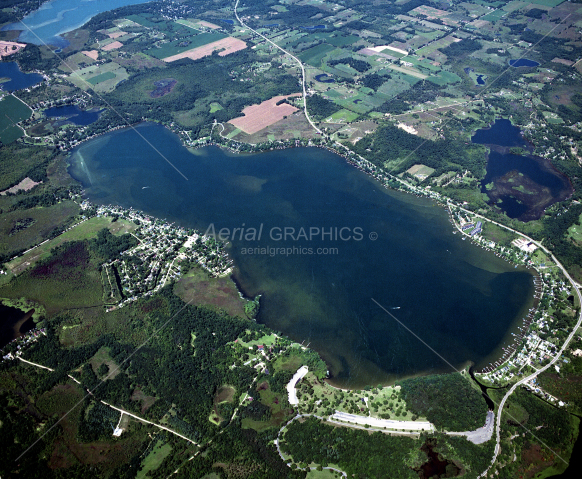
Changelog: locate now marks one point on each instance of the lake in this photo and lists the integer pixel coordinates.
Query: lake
(18, 80)
(324, 78)
(521, 185)
(14, 323)
(73, 114)
(376, 244)
(56, 17)
(523, 62)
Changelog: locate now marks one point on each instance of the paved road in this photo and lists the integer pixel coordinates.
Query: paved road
(541, 370)
(292, 56)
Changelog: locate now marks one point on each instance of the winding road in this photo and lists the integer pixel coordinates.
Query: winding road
(558, 354)
(286, 53)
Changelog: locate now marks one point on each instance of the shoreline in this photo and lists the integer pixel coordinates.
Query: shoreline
(386, 180)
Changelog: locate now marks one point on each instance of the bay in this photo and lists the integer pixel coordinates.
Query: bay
(448, 301)
(17, 79)
(56, 17)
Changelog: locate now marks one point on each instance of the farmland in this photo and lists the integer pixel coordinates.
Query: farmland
(12, 111)
(257, 117)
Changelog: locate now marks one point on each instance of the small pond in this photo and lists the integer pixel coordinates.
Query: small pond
(523, 62)
(324, 78)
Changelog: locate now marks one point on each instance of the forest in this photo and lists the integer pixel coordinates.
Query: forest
(396, 150)
(447, 400)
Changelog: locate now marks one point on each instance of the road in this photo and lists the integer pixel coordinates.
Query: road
(123, 411)
(303, 82)
(547, 366)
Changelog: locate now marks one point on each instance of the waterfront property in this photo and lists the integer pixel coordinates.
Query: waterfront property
(324, 299)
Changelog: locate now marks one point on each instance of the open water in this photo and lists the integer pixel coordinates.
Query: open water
(397, 249)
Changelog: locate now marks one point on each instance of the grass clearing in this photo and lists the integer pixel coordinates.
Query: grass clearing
(215, 106)
(218, 293)
(154, 459)
(103, 357)
(325, 474)
(342, 116)
(27, 228)
(444, 78)
(575, 231)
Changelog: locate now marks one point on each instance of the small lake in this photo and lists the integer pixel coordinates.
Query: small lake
(57, 17)
(14, 323)
(523, 62)
(18, 79)
(73, 114)
(521, 185)
(461, 299)
(324, 78)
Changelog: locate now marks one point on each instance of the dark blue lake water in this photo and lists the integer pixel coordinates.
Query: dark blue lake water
(523, 62)
(56, 17)
(524, 185)
(14, 323)
(73, 114)
(458, 298)
(501, 133)
(18, 79)
(324, 78)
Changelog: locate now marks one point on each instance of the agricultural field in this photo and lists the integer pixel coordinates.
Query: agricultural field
(173, 48)
(101, 78)
(258, 117)
(12, 111)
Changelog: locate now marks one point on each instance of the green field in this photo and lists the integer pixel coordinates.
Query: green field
(444, 78)
(12, 111)
(173, 48)
(342, 41)
(547, 3)
(494, 16)
(215, 106)
(153, 460)
(315, 55)
(101, 78)
(142, 20)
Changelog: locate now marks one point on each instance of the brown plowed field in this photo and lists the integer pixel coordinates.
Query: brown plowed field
(112, 46)
(257, 117)
(227, 45)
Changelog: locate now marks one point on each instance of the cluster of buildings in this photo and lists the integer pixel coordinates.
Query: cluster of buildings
(156, 260)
